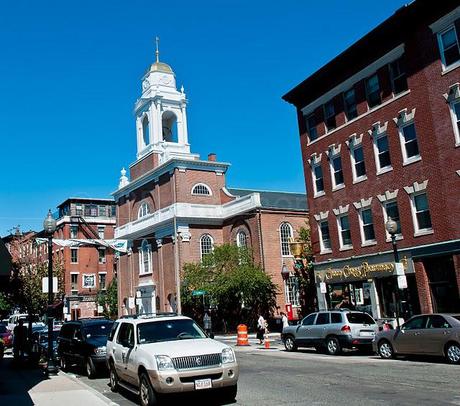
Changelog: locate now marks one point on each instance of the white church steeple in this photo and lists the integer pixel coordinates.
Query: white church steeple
(161, 119)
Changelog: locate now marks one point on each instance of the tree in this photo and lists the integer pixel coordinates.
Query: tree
(237, 288)
(108, 299)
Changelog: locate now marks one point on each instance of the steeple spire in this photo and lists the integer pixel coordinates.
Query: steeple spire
(157, 52)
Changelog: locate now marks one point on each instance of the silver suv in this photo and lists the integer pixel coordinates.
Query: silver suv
(152, 356)
(332, 331)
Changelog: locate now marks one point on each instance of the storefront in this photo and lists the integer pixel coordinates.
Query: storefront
(367, 284)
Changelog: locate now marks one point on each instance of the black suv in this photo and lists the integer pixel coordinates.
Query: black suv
(83, 342)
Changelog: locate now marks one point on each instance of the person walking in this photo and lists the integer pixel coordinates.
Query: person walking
(20, 337)
(261, 323)
(284, 320)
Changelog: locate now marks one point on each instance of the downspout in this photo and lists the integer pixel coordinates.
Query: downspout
(261, 245)
(176, 251)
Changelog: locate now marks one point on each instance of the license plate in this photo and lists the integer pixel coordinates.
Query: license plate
(367, 333)
(203, 384)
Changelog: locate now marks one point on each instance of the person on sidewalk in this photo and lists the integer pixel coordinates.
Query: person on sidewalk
(261, 323)
(284, 320)
(20, 339)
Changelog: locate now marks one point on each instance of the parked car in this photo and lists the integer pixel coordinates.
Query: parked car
(14, 320)
(332, 331)
(6, 336)
(40, 344)
(429, 334)
(152, 356)
(83, 342)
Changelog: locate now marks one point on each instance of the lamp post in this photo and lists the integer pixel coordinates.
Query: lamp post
(49, 226)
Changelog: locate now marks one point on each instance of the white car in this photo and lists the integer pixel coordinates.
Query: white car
(14, 320)
(152, 356)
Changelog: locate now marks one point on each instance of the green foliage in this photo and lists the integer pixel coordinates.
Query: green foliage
(108, 299)
(237, 288)
(5, 304)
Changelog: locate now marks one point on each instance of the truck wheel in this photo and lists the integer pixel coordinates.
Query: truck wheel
(289, 344)
(90, 368)
(113, 377)
(333, 346)
(146, 392)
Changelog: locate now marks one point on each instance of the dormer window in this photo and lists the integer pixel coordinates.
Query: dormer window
(201, 189)
(144, 209)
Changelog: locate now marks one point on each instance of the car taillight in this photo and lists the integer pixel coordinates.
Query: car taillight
(346, 329)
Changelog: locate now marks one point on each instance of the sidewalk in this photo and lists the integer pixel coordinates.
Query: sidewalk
(24, 386)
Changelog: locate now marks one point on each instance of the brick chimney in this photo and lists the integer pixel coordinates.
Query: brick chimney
(212, 157)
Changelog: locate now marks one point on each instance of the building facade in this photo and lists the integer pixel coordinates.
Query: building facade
(380, 136)
(176, 207)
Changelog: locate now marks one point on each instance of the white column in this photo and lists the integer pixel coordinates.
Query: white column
(140, 141)
(184, 132)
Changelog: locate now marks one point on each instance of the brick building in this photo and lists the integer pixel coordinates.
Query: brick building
(176, 207)
(380, 136)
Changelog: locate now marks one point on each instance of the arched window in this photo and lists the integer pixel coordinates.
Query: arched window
(285, 235)
(145, 258)
(206, 245)
(241, 239)
(146, 131)
(144, 209)
(169, 126)
(201, 189)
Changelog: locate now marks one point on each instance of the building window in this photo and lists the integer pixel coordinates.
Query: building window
(144, 209)
(292, 290)
(367, 226)
(311, 127)
(89, 281)
(421, 212)
(349, 102)
(114, 211)
(79, 210)
(344, 231)
(73, 231)
(201, 189)
(358, 164)
(329, 116)
(409, 143)
(101, 232)
(373, 91)
(398, 76)
(318, 183)
(455, 112)
(90, 210)
(391, 210)
(102, 211)
(74, 283)
(206, 245)
(285, 237)
(324, 237)
(145, 265)
(145, 131)
(74, 255)
(241, 239)
(382, 151)
(101, 255)
(449, 48)
(336, 171)
(102, 281)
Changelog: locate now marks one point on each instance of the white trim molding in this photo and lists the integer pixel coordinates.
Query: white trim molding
(184, 233)
(453, 93)
(341, 210)
(354, 140)
(333, 149)
(388, 195)
(322, 215)
(458, 172)
(404, 117)
(315, 158)
(378, 129)
(416, 187)
(363, 203)
(444, 21)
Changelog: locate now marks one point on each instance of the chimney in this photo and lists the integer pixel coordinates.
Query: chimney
(212, 157)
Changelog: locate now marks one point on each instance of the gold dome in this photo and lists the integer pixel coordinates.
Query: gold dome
(160, 67)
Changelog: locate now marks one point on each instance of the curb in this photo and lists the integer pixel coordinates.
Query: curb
(89, 388)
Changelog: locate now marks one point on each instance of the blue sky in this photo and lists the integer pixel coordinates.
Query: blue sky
(70, 74)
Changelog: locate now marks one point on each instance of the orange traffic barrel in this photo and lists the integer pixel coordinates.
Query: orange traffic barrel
(242, 335)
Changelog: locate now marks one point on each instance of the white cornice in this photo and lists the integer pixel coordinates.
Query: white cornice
(446, 20)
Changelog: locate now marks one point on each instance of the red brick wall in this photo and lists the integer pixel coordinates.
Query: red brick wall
(143, 166)
(186, 180)
(423, 287)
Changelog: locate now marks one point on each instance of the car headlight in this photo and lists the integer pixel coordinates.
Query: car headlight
(164, 363)
(100, 350)
(228, 356)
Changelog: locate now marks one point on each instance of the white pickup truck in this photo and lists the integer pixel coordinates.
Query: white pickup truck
(153, 356)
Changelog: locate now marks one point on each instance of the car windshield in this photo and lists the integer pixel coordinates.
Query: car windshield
(44, 336)
(3, 329)
(360, 318)
(168, 330)
(98, 330)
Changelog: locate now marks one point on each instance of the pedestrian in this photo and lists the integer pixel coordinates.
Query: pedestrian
(284, 320)
(20, 337)
(261, 323)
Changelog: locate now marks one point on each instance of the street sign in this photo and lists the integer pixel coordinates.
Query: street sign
(198, 292)
(45, 285)
(131, 303)
(399, 268)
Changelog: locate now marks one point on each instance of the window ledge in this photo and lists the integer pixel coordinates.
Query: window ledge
(450, 68)
(412, 160)
(423, 232)
(346, 248)
(319, 194)
(368, 243)
(324, 252)
(457, 144)
(287, 256)
(146, 273)
(384, 170)
(360, 179)
(341, 186)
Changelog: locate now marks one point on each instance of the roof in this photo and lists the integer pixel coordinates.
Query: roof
(86, 200)
(382, 39)
(160, 67)
(276, 200)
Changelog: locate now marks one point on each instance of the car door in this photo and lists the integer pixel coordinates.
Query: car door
(319, 330)
(65, 337)
(407, 338)
(437, 333)
(76, 346)
(123, 353)
(304, 330)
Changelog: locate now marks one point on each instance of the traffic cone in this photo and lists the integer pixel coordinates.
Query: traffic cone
(267, 343)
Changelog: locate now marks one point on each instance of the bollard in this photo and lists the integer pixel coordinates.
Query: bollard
(242, 335)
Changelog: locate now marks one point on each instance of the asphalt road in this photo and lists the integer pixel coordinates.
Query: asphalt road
(275, 377)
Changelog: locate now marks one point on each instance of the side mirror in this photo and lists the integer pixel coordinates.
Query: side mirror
(211, 335)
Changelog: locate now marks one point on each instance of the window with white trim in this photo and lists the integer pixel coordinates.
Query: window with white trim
(448, 46)
(285, 236)
(310, 122)
(382, 152)
(390, 209)
(89, 281)
(357, 162)
(421, 212)
(201, 190)
(144, 209)
(241, 239)
(349, 103)
(324, 236)
(455, 113)
(318, 182)
(102, 258)
(329, 116)
(73, 231)
(343, 224)
(409, 144)
(145, 258)
(206, 245)
(336, 171)
(373, 91)
(367, 225)
(74, 255)
(292, 290)
(74, 283)
(398, 76)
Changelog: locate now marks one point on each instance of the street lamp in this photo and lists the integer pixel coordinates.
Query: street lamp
(49, 226)
(285, 272)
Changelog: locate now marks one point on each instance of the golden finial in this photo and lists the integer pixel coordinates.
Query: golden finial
(157, 52)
